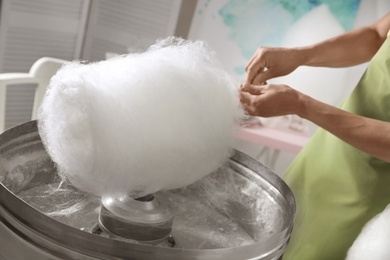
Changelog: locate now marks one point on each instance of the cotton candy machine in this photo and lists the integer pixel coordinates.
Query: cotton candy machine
(241, 211)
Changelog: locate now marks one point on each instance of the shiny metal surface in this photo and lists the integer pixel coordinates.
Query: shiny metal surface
(242, 211)
(145, 219)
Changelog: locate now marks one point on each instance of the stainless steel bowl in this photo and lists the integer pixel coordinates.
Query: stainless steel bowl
(241, 211)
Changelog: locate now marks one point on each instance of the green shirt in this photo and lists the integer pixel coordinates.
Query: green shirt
(338, 188)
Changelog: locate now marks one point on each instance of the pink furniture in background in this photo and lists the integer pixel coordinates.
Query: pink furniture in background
(274, 138)
(287, 140)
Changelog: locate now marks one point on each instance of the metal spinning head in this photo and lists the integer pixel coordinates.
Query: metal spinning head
(145, 219)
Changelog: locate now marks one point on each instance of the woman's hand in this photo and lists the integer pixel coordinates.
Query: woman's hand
(270, 100)
(269, 63)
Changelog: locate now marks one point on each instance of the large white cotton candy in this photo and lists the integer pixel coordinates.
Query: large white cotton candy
(142, 122)
(373, 242)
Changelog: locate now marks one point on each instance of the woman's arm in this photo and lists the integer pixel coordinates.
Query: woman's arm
(368, 135)
(348, 49)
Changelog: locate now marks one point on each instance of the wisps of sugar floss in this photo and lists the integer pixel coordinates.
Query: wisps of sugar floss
(142, 122)
(373, 241)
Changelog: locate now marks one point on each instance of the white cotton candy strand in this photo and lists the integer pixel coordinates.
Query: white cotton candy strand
(141, 123)
(374, 241)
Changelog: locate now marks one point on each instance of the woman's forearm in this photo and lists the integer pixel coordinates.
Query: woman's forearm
(348, 49)
(366, 134)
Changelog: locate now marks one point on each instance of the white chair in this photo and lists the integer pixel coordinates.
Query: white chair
(39, 75)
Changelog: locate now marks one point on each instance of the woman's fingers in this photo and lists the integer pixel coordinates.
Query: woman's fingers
(248, 101)
(253, 72)
(252, 89)
(248, 109)
(262, 77)
(245, 97)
